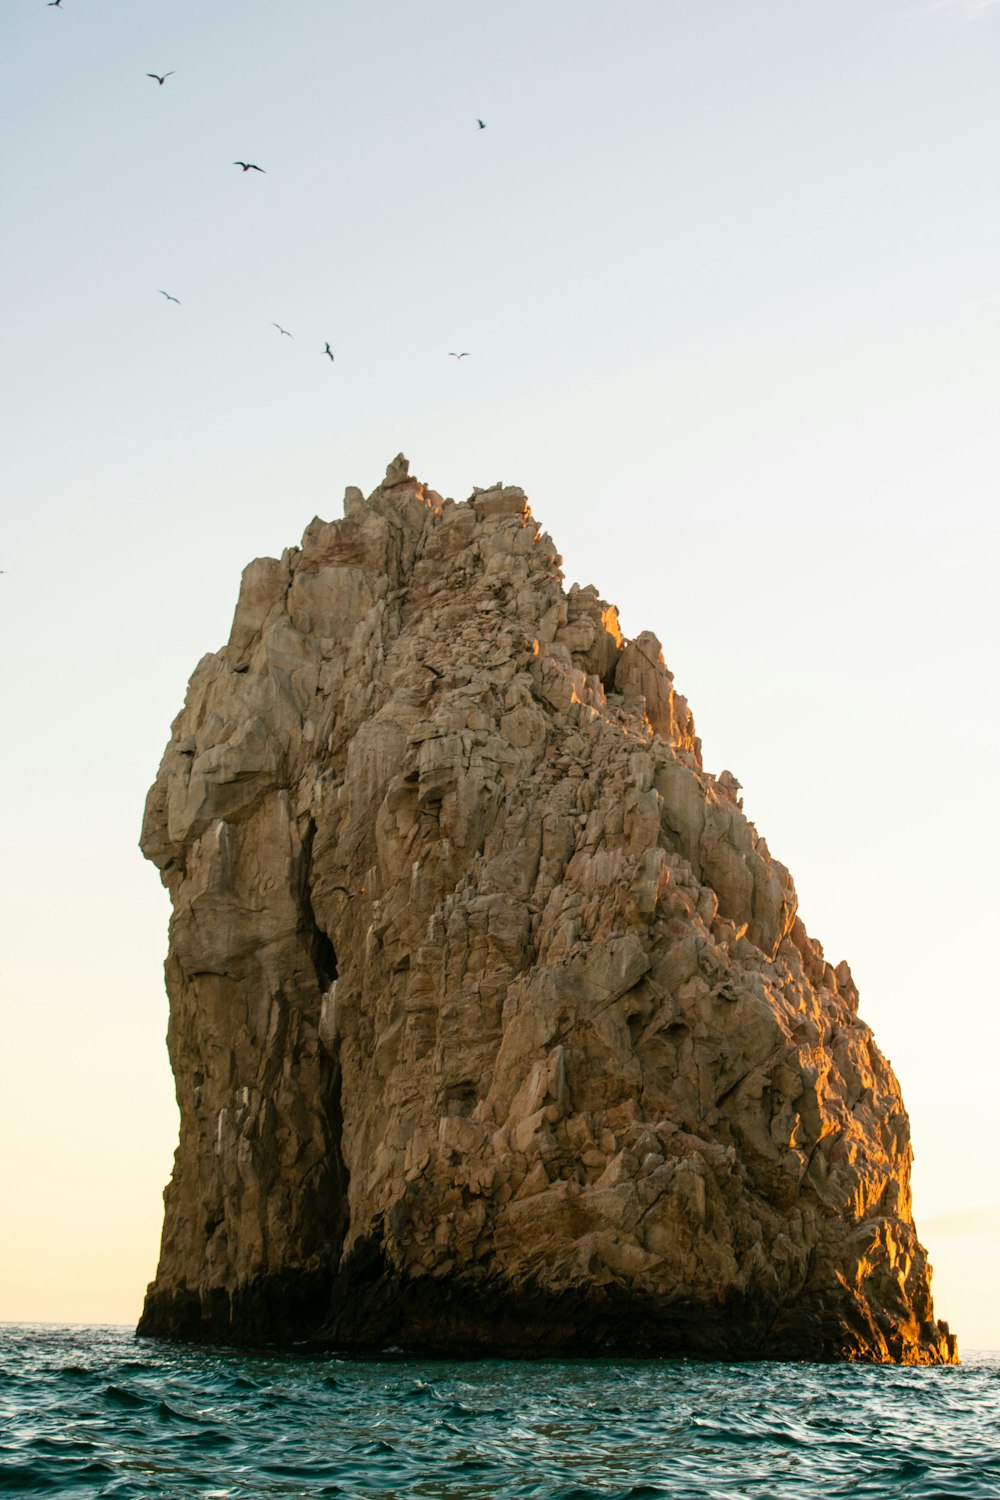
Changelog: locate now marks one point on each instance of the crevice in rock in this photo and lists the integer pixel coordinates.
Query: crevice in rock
(322, 951)
(324, 958)
(461, 1098)
(338, 1177)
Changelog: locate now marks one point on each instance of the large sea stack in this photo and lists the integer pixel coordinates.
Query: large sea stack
(493, 1024)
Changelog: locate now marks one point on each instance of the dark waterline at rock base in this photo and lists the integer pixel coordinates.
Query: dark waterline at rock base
(367, 1307)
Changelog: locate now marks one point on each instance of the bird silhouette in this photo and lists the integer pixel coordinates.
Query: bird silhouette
(161, 78)
(248, 166)
(328, 350)
(55, 2)
(168, 296)
(481, 124)
(464, 354)
(283, 330)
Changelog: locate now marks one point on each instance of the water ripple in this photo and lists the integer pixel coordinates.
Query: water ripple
(87, 1412)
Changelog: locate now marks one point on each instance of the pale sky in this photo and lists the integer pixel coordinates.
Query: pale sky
(728, 273)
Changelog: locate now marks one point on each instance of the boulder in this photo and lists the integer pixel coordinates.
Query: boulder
(494, 1025)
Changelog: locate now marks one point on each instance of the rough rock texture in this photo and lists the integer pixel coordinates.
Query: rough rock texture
(493, 1023)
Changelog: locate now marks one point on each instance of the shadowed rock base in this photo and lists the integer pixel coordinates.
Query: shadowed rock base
(368, 1308)
(494, 1024)
(269, 1310)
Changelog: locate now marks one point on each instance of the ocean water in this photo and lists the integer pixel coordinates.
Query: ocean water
(98, 1412)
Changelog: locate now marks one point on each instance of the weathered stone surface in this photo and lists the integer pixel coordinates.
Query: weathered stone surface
(493, 1022)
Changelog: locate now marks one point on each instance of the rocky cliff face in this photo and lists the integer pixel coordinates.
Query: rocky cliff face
(493, 1023)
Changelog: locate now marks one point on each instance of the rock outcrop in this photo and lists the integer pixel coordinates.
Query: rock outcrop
(493, 1023)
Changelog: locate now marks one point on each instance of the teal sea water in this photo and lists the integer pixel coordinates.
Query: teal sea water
(97, 1412)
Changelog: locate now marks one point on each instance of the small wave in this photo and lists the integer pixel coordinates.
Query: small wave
(305, 1469)
(420, 1392)
(36, 1478)
(578, 1492)
(62, 1446)
(457, 1409)
(739, 1436)
(204, 1442)
(472, 1465)
(168, 1413)
(27, 1478)
(119, 1395)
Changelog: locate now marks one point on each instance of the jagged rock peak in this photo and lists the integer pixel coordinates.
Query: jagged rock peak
(493, 1022)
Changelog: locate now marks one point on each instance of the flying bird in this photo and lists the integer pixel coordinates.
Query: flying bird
(328, 350)
(55, 2)
(161, 78)
(248, 166)
(464, 354)
(168, 296)
(283, 330)
(481, 124)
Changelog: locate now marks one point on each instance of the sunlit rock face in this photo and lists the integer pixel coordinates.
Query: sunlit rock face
(493, 1023)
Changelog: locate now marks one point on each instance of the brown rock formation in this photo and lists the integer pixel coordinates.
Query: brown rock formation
(492, 1020)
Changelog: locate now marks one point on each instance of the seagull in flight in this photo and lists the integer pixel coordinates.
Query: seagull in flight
(464, 354)
(481, 124)
(248, 166)
(161, 78)
(328, 350)
(168, 296)
(283, 330)
(55, 2)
